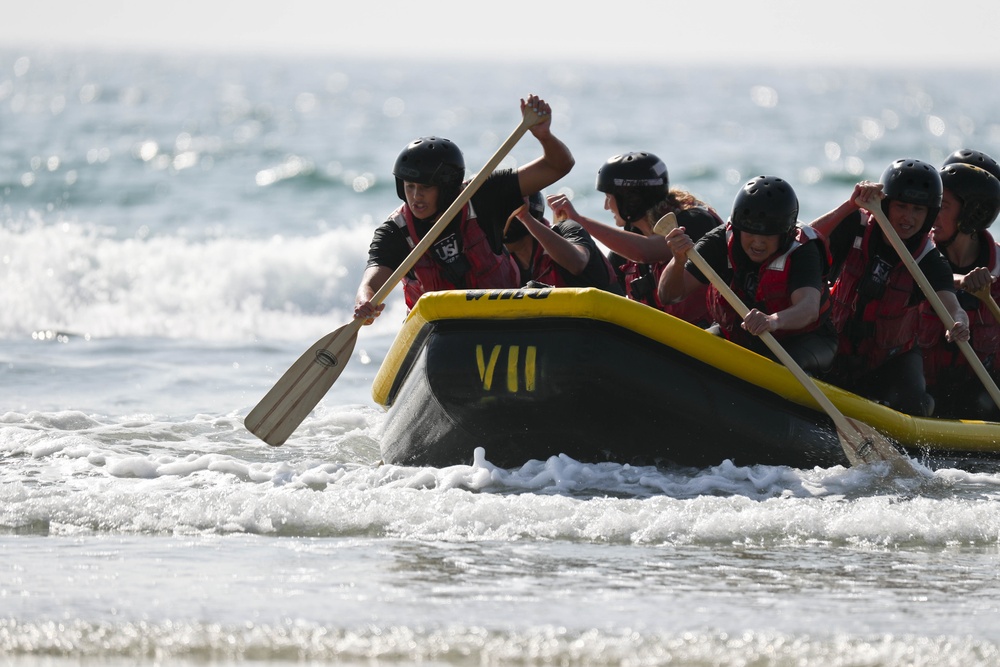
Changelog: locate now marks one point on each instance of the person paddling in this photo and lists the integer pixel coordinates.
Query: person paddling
(775, 266)
(970, 204)
(875, 300)
(638, 193)
(429, 173)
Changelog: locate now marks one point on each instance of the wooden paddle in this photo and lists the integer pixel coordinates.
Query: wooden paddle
(302, 386)
(985, 294)
(874, 207)
(861, 442)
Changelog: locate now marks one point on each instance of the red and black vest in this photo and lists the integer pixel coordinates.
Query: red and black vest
(486, 269)
(772, 294)
(938, 353)
(887, 325)
(544, 269)
(641, 281)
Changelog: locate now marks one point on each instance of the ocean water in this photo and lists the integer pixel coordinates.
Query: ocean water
(175, 231)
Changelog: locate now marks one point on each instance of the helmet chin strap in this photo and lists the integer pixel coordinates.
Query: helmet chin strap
(961, 227)
(942, 245)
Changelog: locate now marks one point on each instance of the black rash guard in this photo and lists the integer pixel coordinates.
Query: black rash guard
(493, 203)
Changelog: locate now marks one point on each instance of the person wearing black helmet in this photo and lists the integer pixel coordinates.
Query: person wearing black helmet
(559, 255)
(638, 193)
(777, 268)
(469, 253)
(975, 158)
(875, 300)
(970, 204)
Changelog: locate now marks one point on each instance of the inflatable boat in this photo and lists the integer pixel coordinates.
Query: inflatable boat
(532, 373)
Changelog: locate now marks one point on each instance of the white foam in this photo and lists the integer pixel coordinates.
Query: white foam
(207, 474)
(82, 280)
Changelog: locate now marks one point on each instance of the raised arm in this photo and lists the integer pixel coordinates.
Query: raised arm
(570, 256)
(636, 247)
(556, 160)
(863, 191)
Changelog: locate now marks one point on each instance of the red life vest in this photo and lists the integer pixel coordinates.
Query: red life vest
(487, 270)
(772, 294)
(545, 270)
(893, 321)
(632, 271)
(938, 353)
(693, 308)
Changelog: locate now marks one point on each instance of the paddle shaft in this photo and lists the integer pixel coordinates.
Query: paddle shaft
(875, 208)
(859, 445)
(302, 386)
(530, 118)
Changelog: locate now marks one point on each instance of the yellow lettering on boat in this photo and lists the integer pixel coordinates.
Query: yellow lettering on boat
(529, 368)
(512, 356)
(486, 369)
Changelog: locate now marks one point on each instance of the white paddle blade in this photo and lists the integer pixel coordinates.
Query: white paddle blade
(863, 444)
(301, 388)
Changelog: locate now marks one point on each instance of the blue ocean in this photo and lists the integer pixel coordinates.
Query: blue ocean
(176, 230)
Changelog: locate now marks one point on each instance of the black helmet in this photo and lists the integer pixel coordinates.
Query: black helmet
(913, 182)
(765, 205)
(638, 181)
(431, 161)
(975, 158)
(536, 206)
(979, 192)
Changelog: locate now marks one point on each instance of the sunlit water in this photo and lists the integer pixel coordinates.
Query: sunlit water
(174, 233)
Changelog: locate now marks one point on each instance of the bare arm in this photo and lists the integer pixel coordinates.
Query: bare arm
(675, 281)
(636, 247)
(556, 160)
(372, 280)
(803, 312)
(570, 256)
(863, 191)
(960, 331)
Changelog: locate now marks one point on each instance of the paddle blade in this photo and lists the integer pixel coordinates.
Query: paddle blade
(863, 444)
(302, 386)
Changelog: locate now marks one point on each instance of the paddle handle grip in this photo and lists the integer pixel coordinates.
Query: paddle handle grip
(986, 296)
